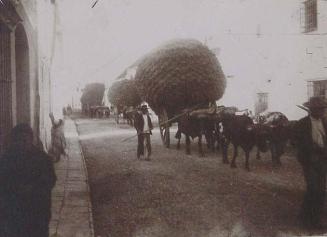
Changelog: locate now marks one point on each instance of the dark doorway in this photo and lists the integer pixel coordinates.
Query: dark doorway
(22, 76)
(5, 85)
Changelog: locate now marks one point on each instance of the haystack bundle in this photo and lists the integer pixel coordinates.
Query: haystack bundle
(93, 94)
(124, 93)
(179, 75)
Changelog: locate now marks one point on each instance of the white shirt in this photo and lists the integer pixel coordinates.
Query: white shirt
(318, 132)
(146, 128)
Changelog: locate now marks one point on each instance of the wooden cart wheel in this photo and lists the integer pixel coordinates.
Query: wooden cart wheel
(164, 128)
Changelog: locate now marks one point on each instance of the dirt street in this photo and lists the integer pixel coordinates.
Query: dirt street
(179, 195)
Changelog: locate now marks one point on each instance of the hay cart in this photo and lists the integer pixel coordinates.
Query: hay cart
(123, 94)
(178, 75)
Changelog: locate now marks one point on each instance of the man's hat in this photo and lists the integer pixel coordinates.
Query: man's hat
(316, 102)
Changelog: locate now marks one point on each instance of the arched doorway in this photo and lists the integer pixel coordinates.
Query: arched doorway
(5, 85)
(22, 75)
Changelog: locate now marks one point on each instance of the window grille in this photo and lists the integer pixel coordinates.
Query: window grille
(310, 16)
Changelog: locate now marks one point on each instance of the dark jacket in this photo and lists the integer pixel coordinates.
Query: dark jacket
(139, 122)
(303, 140)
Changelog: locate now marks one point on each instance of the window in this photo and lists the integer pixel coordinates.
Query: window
(310, 16)
(261, 104)
(317, 88)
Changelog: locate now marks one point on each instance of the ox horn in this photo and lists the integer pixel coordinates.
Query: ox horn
(302, 107)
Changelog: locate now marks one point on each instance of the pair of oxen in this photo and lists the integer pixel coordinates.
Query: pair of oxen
(270, 131)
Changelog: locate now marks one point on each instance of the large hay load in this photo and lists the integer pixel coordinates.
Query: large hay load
(181, 74)
(92, 96)
(124, 93)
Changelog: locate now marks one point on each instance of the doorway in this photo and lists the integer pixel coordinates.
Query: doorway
(22, 76)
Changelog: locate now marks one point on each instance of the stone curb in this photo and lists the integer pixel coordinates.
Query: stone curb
(87, 182)
(71, 201)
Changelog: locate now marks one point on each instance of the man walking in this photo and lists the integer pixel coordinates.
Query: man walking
(143, 126)
(310, 138)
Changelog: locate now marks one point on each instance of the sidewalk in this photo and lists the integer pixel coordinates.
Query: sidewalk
(71, 204)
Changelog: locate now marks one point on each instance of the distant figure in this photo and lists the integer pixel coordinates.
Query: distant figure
(26, 179)
(58, 140)
(310, 139)
(116, 114)
(143, 126)
(124, 113)
(64, 111)
(69, 110)
(251, 115)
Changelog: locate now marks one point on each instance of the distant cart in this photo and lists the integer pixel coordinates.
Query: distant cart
(124, 97)
(102, 111)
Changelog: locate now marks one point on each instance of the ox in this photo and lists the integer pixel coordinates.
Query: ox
(241, 131)
(195, 126)
(278, 128)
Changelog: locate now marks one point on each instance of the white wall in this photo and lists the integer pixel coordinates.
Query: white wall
(26, 11)
(277, 62)
(45, 28)
(322, 17)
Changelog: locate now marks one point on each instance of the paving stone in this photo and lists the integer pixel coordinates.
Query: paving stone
(73, 231)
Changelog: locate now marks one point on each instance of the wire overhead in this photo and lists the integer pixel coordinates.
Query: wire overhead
(95, 3)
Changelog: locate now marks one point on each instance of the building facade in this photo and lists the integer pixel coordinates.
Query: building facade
(314, 26)
(281, 66)
(25, 67)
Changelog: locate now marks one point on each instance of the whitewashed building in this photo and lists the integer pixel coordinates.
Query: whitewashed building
(314, 25)
(27, 34)
(282, 62)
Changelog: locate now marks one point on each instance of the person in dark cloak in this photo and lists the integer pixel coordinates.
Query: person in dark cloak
(311, 142)
(27, 177)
